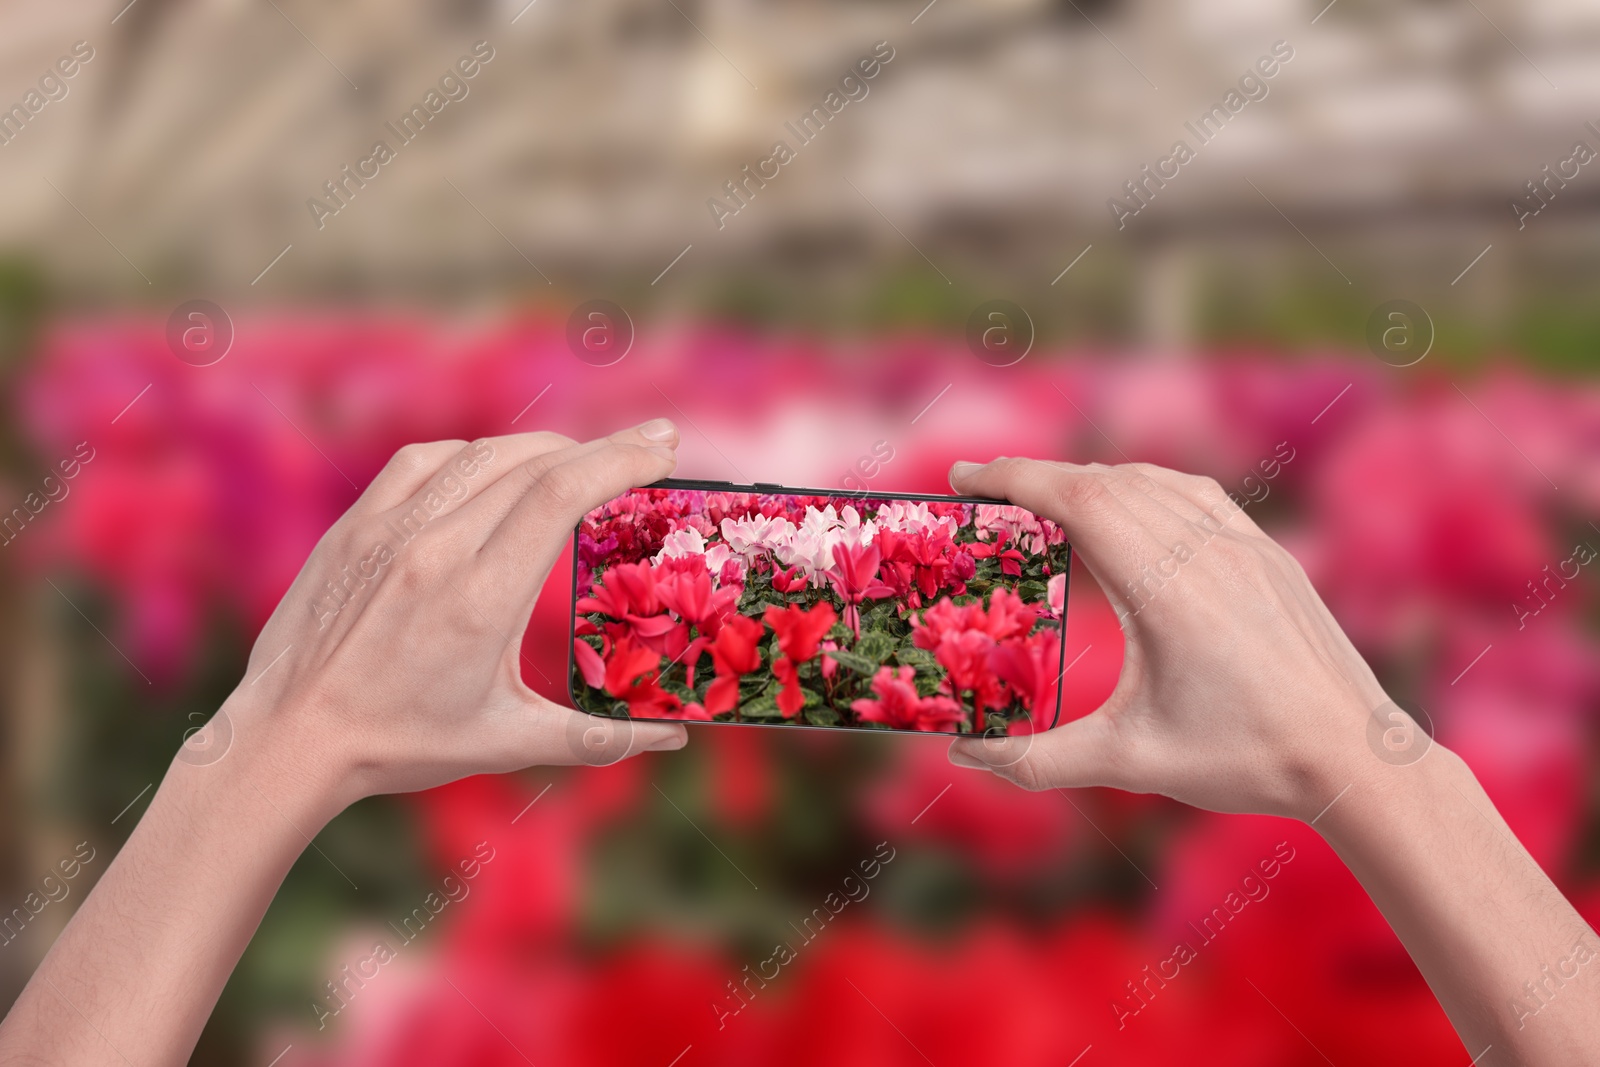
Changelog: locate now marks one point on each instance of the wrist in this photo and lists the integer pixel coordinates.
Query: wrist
(1379, 753)
(1369, 799)
(264, 750)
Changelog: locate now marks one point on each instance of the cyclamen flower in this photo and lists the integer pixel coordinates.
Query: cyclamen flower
(1031, 666)
(788, 581)
(686, 589)
(1055, 595)
(1017, 524)
(1010, 559)
(912, 518)
(630, 675)
(626, 589)
(592, 552)
(689, 543)
(686, 541)
(756, 535)
(798, 632)
(735, 653)
(1006, 616)
(854, 576)
(628, 593)
(900, 705)
(916, 565)
(590, 665)
(966, 658)
(963, 639)
(811, 546)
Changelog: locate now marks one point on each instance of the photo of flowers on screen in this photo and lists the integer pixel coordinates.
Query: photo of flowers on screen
(843, 611)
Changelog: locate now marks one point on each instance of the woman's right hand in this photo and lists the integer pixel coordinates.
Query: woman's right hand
(1239, 692)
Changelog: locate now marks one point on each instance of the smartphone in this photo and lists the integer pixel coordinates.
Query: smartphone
(718, 602)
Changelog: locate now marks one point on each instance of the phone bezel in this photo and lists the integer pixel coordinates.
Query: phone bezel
(772, 488)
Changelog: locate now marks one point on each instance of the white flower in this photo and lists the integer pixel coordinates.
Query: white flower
(913, 518)
(754, 534)
(685, 541)
(811, 546)
(688, 542)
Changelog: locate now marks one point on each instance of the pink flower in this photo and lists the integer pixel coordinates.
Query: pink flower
(1055, 595)
(901, 707)
(1015, 524)
(914, 518)
(1010, 558)
(854, 576)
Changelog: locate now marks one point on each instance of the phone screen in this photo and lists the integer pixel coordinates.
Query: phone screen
(705, 601)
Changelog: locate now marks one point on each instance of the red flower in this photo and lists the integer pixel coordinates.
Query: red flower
(1030, 665)
(963, 639)
(799, 630)
(1010, 559)
(631, 675)
(685, 587)
(916, 565)
(900, 706)
(627, 589)
(788, 581)
(965, 656)
(1008, 615)
(590, 665)
(798, 633)
(735, 653)
(688, 711)
(630, 593)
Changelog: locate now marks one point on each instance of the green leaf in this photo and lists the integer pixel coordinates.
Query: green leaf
(920, 658)
(821, 715)
(875, 646)
(764, 706)
(858, 663)
(1032, 592)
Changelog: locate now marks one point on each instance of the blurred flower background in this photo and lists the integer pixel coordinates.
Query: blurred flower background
(1438, 473)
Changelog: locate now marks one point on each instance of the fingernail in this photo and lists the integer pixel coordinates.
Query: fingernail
(664, 452)
(961, 468)
(659, 430)
(669, 743)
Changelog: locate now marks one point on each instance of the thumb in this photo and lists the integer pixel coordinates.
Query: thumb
(569, 738)
(1074, 754)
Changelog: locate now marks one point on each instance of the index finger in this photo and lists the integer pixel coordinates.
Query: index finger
(525, 545)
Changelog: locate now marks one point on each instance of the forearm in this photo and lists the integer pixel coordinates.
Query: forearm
(1483, 923)
(139, 968)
